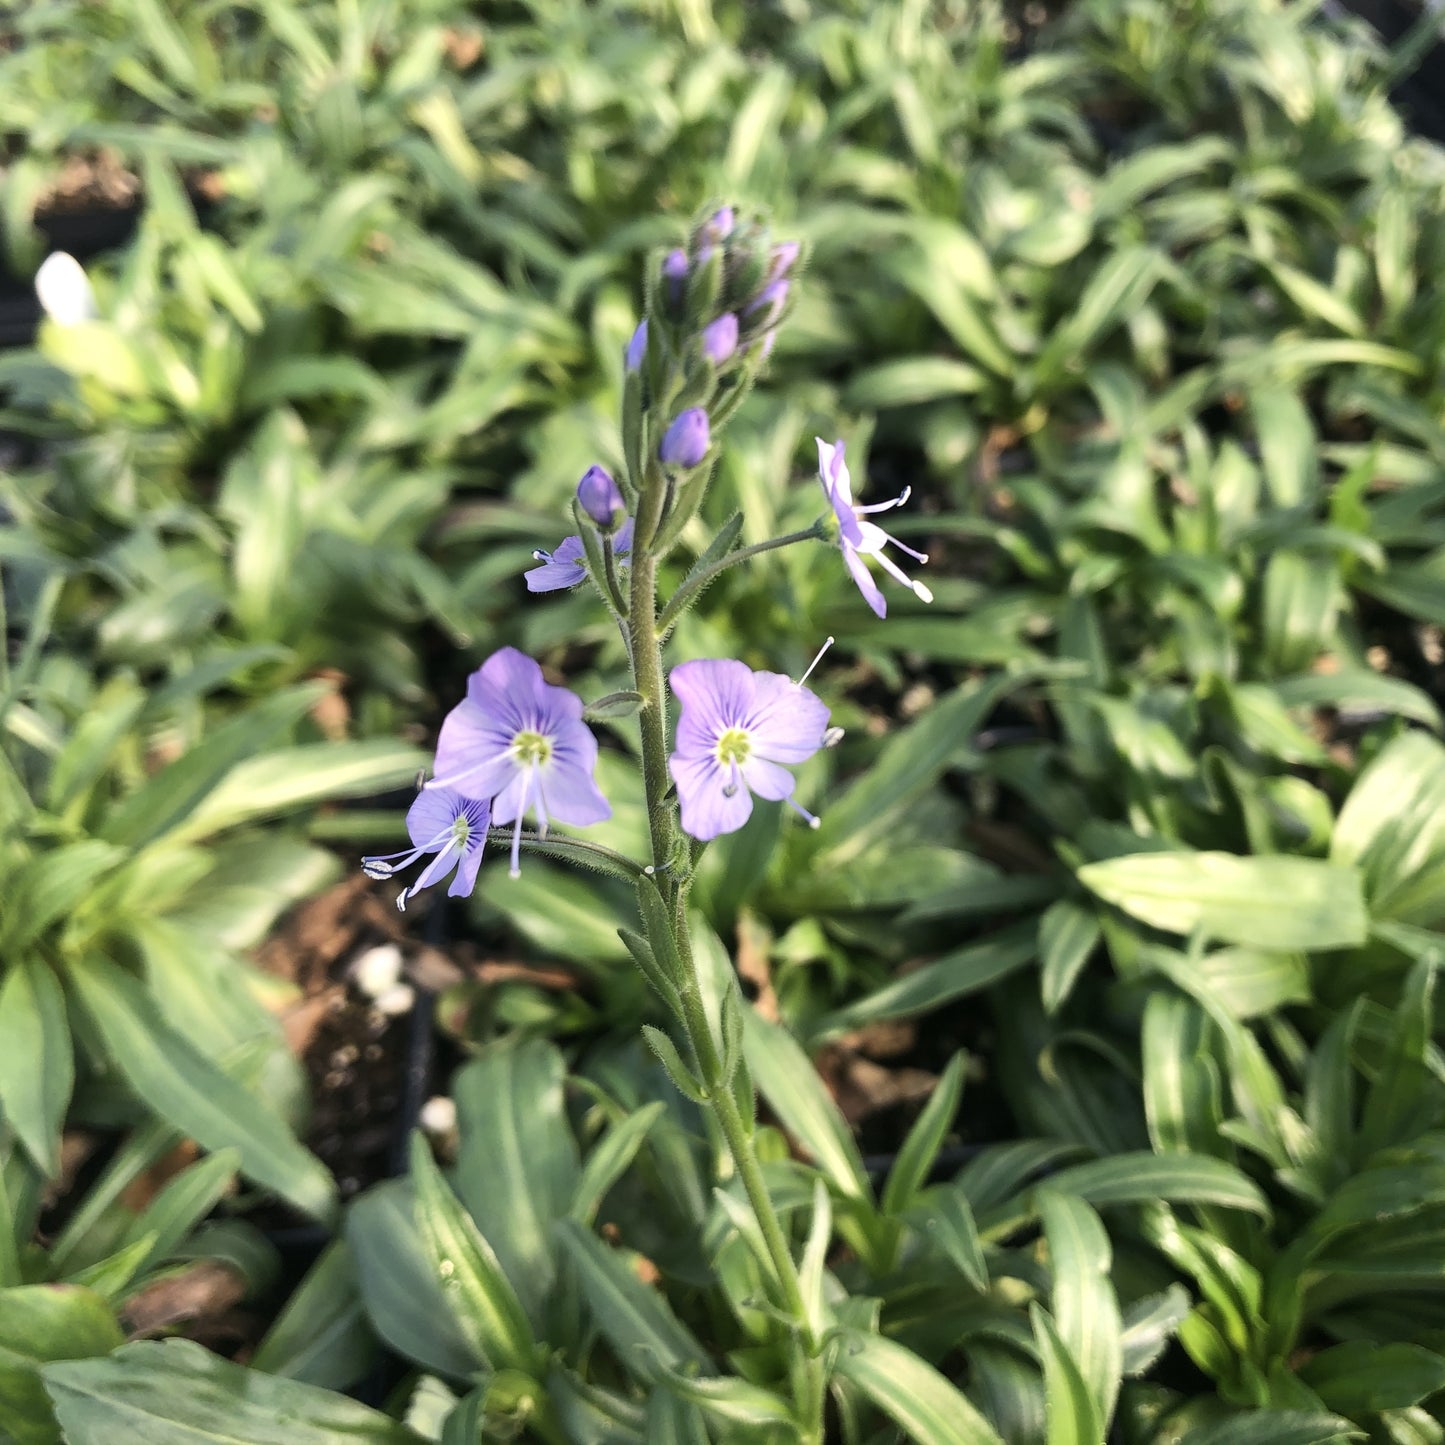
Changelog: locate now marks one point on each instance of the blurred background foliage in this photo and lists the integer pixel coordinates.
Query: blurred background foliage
(1143, 813)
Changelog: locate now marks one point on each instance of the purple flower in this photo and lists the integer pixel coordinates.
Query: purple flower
(719, 225)
(785, 257)
(520, 743)
(444, 823)
(598, 496)
(736, 729)
(564, 567)
(637, 347)
(770, 299)
(674, 275)
(685, 442)
(720, 338)
(858, 538)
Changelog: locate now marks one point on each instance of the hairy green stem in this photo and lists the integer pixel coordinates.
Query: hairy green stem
(695, 584)
(644, 636)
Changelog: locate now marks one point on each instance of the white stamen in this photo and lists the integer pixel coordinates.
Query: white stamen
(832, 737)
(797, 807)
(815, 662)
(897, 501)
(541, 556)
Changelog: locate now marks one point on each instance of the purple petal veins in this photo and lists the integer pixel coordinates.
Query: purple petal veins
(446, 824)
(858, 537)
(738, 732)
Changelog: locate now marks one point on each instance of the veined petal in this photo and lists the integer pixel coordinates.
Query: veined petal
(431, 815)
(570, 795)
(716, 693)
(872, 594)
(466, 878)
(767, 779)
(472, 753)
(708, 809)
(512, 797)
(787, 721)
(509, 688)
(553, 576)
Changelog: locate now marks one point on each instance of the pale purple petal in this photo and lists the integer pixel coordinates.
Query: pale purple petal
(838, 488)
(787, 722)
(516, 795)
(571, 796)
(473, 756)
(708, 810)
(767, 779)
(509, 687)
(562, 568)
(866, 585)
(716, 694)
(432, 814)
(466, 878)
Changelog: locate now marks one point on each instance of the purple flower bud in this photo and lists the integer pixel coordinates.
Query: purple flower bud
(785, 256)
(598, 495)
(720, 339)
(674, 275)
(771, 299)
(685, 442)
(719, 225)
(637, 347)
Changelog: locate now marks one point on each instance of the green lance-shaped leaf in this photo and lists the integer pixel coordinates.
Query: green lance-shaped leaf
(1085, 1307)
(1362, 1378)
(36, 1064)
(482, 1298)
(404, 1298)
(41, 1323)
(1275, 1427)
(915, 1159)
(1069, 932)
(517, 1165)
(188, 1091)
(1266, 902)
(177, 1393)
(635, 1319)
(911, 1392)
(671, 1060)
(321, 1335)
(1073, 1417)
(182, 1203)
(943, 1216)
(611, 1159)
(788, 1081)
(644, 958)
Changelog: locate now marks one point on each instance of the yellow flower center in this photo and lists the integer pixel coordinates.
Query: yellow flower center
(530, 747)
(733, 747)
